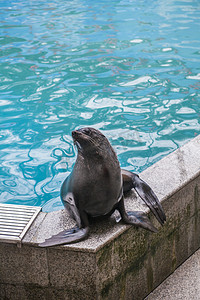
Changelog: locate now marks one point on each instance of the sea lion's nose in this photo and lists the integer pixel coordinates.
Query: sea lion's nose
(74, 133)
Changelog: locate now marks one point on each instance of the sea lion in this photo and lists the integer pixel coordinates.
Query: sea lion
(96, 188)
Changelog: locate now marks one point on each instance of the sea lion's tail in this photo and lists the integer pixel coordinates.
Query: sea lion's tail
(69, 236)
(132, 180)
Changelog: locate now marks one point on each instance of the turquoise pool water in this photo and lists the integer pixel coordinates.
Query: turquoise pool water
(128, 68)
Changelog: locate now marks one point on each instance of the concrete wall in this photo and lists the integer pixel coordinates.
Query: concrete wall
(117, 261)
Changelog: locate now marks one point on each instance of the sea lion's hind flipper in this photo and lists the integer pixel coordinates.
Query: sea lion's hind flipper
(136, 218)
(131, 180)
(151, 200)
(140, 219)
(68, 236)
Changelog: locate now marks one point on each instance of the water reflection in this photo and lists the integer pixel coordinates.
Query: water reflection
(127, 68)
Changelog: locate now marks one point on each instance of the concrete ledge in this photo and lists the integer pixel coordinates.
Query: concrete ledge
(117, 261)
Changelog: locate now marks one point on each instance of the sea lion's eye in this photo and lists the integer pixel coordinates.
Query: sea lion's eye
(86, 131)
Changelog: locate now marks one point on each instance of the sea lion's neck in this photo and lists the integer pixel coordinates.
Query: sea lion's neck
(85, 156)
(98, 156)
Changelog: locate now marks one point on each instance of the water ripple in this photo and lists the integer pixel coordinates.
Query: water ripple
(64, 66)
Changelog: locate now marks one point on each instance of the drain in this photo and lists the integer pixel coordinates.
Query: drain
(15, 220)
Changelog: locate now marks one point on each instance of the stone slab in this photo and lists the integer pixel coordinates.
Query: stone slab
(25, 265)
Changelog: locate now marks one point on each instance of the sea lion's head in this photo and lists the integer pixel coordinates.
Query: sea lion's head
(91, 140)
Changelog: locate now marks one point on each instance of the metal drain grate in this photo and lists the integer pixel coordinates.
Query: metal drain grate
(15, 220)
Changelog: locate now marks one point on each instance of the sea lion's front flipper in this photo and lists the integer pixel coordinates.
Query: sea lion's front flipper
(72, 235)
(136, 218)
(131, 180)
(70, 205)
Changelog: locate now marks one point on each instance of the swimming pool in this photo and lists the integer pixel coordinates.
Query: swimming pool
(128, 68)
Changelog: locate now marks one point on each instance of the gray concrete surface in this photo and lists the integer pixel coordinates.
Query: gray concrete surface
(117, 261)
(183, 284)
